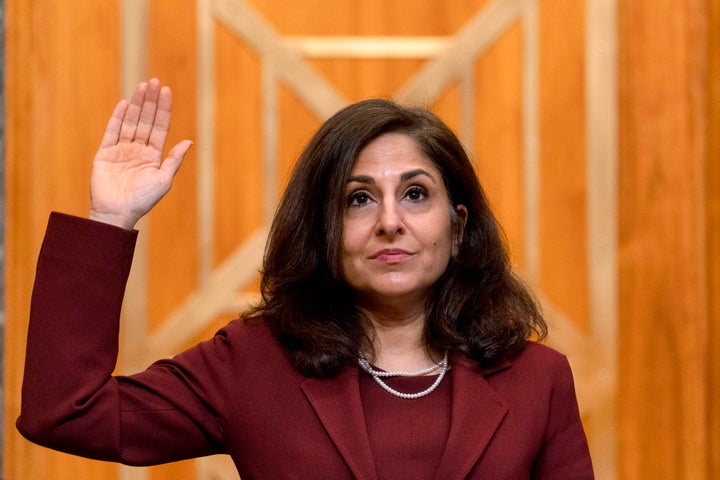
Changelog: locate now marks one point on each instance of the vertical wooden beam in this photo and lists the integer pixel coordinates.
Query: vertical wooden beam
(134, 324)
(205, 138)
(531, 141)
(270, 142)
(134, 69)
(712, 221)
(601, 147)
(663, 271)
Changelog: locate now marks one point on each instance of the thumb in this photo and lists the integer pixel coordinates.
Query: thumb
(172, 162)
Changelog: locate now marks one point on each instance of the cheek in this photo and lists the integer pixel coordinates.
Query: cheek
(439, 250)
(348, 241)
(440, 233)
(354, 235)
(351, 247)
(445, 248)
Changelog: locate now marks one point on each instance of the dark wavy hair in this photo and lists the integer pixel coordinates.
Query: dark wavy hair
(478, 308)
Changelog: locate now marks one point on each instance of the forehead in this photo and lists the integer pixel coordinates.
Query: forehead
(392, 154)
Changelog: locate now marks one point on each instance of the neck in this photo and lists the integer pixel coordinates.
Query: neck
(398, 340)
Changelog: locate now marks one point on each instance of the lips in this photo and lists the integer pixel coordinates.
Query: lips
(391, 255)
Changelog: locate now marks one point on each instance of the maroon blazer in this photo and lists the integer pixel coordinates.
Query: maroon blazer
(238, 394)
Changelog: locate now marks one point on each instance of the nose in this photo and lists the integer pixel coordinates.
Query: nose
(390, 219)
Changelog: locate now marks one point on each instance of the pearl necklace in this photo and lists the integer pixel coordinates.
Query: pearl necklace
(377, 375)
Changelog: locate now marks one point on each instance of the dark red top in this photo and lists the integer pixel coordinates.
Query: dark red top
(238, 394)
(419, 426)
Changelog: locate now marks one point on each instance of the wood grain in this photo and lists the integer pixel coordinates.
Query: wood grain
(62, 81)
(63, 76)
(663, 269)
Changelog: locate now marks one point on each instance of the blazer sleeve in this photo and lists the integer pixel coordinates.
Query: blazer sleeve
(565, 453)
(70, 399)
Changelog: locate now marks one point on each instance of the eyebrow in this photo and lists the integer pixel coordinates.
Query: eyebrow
(404, 177)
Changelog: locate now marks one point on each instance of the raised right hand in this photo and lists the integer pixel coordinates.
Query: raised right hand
(129, 175)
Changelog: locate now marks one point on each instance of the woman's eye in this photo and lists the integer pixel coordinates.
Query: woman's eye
(358, 198)
(416, 193)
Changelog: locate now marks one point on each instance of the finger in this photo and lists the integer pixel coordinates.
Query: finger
(112, 131)
(148, 112)
(161, 124)
(130, 120)
(172, 163)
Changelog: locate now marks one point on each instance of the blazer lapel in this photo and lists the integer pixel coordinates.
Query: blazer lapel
(475, 416)
(338, 404)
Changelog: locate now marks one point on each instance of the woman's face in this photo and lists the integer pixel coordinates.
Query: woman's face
(397, 232)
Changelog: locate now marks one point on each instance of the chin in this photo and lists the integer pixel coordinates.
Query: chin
(397, 292)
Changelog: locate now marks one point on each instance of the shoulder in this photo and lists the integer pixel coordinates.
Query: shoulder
(536, 367)
(251, 341)
(248, 334)
(240, 352)
(539, 355)
(255, 328)
(541, 360)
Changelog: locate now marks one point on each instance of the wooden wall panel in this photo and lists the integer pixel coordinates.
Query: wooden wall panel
(665, 382)
(170, 229)
(497, 146)
(365, 78)
(297, 123)
(563, 161)
(712, 222)
(239, 180)
(61, 79)
(369, 17)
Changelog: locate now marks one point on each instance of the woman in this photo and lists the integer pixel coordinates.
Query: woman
(393, 339)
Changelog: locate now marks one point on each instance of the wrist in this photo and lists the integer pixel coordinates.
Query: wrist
(113, 219)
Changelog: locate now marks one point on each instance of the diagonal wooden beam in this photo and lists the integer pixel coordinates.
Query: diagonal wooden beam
(314, 90)
(470, 42)
(585, 351)
(203, 305)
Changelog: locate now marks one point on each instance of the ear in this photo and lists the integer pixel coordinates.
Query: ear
(459, 220)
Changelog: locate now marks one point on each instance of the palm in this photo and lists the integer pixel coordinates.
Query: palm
(125, 175)
(129, 175)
